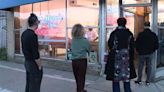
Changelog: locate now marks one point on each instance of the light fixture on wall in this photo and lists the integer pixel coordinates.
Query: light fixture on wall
(72, 2)
(94, 3)
(83, 3)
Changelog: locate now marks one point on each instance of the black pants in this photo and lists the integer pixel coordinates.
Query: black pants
(79, 69)
(33, 77)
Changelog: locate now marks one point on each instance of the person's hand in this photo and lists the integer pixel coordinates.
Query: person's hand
(39, 63)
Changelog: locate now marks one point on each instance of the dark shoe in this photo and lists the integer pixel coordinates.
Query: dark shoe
(147, 83)
(82, 91)
(138, 82)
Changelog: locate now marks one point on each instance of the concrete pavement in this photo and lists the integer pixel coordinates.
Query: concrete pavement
(12, 79)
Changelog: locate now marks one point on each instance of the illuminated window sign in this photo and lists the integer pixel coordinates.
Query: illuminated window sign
(51, 25)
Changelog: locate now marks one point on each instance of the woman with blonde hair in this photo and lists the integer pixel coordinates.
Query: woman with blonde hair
(79, 47)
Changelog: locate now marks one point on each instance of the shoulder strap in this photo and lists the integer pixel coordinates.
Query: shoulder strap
(115, 42)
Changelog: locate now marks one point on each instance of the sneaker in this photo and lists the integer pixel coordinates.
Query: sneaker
(138, 82)
(147, 83)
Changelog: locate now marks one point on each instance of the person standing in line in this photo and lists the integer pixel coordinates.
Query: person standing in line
(79, 48)
(33, 64)
(120, 64)
(146, 45)
(91, 35)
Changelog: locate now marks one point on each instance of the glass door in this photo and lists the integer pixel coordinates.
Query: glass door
(137, 15)
(160, 62)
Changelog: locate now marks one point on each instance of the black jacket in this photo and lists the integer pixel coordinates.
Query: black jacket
(122, 36)
(29, 41)
(146, 42)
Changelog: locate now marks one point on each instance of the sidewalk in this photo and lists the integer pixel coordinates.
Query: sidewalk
(101, 85)
(12, 77)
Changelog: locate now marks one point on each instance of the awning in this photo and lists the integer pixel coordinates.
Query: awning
(4, 4)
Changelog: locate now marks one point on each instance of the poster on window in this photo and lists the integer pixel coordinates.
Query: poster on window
(92, 57)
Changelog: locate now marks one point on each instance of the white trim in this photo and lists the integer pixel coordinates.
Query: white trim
(47, 40)
(161, 27)
(111, 26)
(86, 27)
(5, 90)
(136, 5)
(48, 58)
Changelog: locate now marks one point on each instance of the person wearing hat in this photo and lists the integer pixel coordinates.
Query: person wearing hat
(91, 35)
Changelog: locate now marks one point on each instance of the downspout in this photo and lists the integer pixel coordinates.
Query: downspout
(154, 27)
(102, 33)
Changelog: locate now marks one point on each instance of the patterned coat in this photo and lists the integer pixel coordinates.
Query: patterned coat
(122, 34)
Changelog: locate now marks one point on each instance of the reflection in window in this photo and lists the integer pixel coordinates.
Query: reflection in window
(160, 62)
(20, 23)
(84, 12)
(161, 12)
(112, 12)
(51, 31)
(52, 19)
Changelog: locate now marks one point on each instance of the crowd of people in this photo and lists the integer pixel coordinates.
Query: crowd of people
(120, 62)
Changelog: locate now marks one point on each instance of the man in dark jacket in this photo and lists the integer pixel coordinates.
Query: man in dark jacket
(33, 64)
(146, 44)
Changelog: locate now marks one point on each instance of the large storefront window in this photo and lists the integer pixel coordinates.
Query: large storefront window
(51, 31)
(85, 12)
(136, 12)
(20, 23)
(135, 15)
(160, 62)
(112, 16)
(112, 12)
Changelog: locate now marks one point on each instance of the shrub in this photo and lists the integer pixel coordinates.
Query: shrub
(3, 54)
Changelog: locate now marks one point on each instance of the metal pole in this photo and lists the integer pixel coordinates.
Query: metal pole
(66, 28)
(32, 8)
(120, 9)
(154, 28)
(102, 32)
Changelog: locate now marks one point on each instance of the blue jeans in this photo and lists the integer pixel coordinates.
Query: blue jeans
(116, 87)
(142, 60)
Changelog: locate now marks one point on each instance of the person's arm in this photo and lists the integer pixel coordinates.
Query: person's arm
(137, 42)
(132, 46)
(35, 52)
(110, 41)
(88, 46)
(96, 38)
(156, 43)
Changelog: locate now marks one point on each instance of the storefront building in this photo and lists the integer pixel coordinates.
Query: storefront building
(57, 18)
